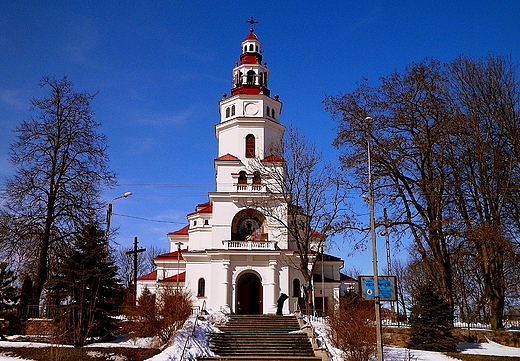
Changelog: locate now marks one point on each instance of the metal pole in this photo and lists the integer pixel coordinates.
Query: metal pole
(109, 215)
(377, 301)
(322, 282)
(135, 270)
(179, 244)
(389, 262)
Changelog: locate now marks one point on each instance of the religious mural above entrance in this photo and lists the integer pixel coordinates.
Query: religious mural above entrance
(249, 230)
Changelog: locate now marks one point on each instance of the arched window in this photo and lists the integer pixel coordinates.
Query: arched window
(227, 112)
(256, 177)
(245, 48)
(296, 287)
(273, 114)
(251, 47)
(250, 146)
(233, 109)
(242, 178)
(251, 77)
(256, 48)
(201, 289)
(268, 111)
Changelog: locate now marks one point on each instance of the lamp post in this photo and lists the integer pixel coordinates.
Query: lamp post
(109, 212)
(377, 301)
(179, 244)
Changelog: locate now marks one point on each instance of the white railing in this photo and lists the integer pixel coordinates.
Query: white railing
(250, 245)
(250, 187)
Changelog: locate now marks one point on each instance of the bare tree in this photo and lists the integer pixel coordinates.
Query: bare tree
(486, 158)
(409, 136)
(61, 167)
(306, 199)
(446, 161)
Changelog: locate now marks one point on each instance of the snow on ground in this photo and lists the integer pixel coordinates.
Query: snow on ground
(7, 358)
(193, 341)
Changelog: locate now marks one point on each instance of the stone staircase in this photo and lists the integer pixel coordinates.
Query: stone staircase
(261, 337)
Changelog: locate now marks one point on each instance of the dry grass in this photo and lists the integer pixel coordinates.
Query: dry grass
(79, 353)
(466, 357)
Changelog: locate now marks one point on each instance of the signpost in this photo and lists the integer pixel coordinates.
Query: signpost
(387, 287)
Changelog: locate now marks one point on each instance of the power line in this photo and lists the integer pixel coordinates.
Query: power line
(147, 219)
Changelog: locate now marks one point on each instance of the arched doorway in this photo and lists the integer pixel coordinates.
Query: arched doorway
(249, 294)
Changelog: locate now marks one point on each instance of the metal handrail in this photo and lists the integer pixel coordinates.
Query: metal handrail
(200, 310)
(307, 319)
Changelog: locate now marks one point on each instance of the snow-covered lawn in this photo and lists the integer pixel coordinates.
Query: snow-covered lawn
(193, 341)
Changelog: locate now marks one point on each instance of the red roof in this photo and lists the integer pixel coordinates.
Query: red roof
(182, 232)
(203, 205)
(171, 255)
(149, 277)
(205, 210)
(251, 35)
(317, 234)
(227, 157)
(272, 158)
(177, 278)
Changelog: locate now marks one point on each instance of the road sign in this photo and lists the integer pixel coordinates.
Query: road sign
(387, 287)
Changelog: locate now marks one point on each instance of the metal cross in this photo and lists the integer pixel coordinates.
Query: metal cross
(252, 21)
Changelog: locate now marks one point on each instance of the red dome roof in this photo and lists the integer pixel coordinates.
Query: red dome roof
(251, 35)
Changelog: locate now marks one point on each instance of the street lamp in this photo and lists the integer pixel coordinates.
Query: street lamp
(377, 301)
(109, 211)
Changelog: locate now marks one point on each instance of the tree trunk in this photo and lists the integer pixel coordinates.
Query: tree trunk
(41, 273)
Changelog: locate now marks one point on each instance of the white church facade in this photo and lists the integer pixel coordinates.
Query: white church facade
(230, 256)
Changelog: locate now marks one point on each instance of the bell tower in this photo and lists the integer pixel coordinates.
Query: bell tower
(249, 119)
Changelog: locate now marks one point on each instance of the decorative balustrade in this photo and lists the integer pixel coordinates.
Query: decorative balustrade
(250, 245)
(250, 187)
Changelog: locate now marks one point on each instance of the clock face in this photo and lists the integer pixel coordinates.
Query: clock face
(251, 109)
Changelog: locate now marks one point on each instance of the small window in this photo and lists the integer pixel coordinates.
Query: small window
(250, 146)
(256, 48)
(245, 48)
(242, 178)
(206, 222)
(201, 289)
(251, 47)
(194, 223)
(268, 111)
(233, 109)
(227, 112)
(273, 114)
(296, 287)
(256, 177)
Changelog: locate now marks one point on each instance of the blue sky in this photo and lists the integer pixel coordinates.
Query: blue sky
(160, 68)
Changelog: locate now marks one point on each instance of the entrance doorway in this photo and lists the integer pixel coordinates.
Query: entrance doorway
(249, 294)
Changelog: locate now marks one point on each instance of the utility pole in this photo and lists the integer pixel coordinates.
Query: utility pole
(135, 251)
(377, 300)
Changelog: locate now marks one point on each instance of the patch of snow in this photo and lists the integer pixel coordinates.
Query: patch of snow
(27, 344)
(398, 354)
(489, 348)
(126, 341)
(3, 357)
(192, 341)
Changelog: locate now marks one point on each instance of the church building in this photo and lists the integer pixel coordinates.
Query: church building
(230, 256)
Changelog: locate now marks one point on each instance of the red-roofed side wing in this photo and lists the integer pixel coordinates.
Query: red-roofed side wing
(177, 278)
(149, 277)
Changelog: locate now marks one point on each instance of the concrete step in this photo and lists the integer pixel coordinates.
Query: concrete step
(260, 337)
(262, 358)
